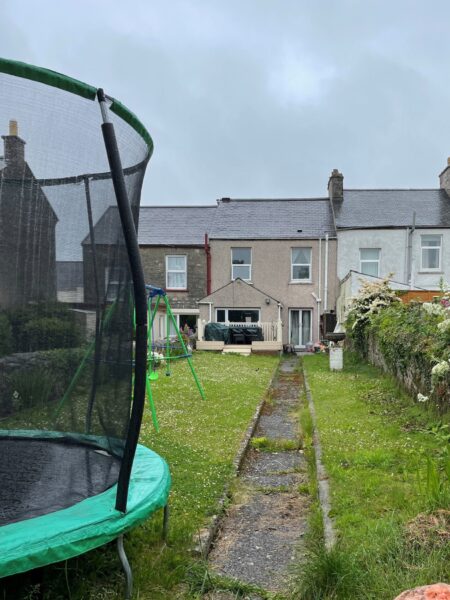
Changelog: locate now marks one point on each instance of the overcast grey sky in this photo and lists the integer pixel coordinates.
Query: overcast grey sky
(259, 98)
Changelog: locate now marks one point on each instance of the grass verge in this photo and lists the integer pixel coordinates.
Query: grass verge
(376, 448)
(199, 439)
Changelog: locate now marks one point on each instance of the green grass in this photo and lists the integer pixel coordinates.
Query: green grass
(199, 439)
(375, 444)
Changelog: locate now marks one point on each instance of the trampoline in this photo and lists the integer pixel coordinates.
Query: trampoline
(73, 322)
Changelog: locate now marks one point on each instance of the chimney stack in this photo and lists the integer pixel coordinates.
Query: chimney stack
(444, 178)
(336, 185)
(14, 146)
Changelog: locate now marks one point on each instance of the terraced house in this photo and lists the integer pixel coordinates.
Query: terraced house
(175, 254)
(273, 267)
(402, 234)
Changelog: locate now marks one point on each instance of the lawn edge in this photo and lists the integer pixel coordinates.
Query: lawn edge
(322, 477)
(204, 538)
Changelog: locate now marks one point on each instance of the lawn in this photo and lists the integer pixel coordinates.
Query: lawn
(199, 439)
(378, 449)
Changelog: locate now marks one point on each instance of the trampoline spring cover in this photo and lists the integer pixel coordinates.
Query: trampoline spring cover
(88, 524)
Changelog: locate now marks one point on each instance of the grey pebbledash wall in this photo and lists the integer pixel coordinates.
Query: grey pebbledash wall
(154, 265)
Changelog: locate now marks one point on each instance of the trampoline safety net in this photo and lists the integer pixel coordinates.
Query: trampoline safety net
(66, 293)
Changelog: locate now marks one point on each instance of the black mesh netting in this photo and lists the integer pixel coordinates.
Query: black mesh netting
(66, 297)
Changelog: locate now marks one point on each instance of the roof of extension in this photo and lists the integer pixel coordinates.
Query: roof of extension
(174, 225)
(368, 209)
(300, 218)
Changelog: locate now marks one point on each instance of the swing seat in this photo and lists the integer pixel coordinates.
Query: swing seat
(153, 376)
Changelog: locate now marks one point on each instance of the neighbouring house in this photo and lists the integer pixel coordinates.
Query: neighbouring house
(27, 230)
(174, 247)
(273, 267)
(402, 234)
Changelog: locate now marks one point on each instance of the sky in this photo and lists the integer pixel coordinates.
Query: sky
(259, 98)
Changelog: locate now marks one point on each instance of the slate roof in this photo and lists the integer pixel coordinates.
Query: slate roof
(272, 219)
(364, 209)
(174, 225)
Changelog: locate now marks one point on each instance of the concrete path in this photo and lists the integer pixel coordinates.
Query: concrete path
(263, 530)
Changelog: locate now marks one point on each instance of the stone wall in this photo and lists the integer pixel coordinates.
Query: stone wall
(154, 265)
(415, 376)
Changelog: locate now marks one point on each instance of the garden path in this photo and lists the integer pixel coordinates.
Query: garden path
(262, 532)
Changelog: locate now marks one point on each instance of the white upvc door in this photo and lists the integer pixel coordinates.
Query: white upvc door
(300, 322)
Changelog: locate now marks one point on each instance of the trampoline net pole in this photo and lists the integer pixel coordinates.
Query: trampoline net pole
(140, 298)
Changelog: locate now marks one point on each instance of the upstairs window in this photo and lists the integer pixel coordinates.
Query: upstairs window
(176, 276)
(241, 263)
(301, 264)
(369, 259)
(431, 252)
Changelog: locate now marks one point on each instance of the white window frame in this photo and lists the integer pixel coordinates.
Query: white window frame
(371, 261)
(244, 265)
(309, 265)
(237, 308)
(422, 248)
(171, 287)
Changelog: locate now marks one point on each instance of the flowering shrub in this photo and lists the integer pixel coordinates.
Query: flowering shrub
(410, 340)
(372, 298)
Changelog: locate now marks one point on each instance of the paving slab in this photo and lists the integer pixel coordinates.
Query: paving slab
(259, 538)
(279, 425)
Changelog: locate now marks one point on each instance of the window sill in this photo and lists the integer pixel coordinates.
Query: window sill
(176, 290)
(431, 272)
(244, 280)
(300, 281)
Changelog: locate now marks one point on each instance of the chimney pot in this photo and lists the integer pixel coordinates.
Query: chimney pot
(13, 128)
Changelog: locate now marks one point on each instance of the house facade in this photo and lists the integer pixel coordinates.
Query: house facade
(27, 230)
(403, 235)
(273, 264)
(174, 247)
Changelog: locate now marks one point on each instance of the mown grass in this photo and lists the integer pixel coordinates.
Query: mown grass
(375, 444)
(199, 439)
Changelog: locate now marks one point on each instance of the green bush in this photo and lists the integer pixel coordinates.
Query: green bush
(6, 340)
(49, 332)
(43, 327)
(413, 340)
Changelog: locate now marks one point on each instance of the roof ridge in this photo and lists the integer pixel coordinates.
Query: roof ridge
(178, 206)
(392, 189)
(229, 200)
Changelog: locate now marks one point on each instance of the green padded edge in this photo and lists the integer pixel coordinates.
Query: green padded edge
(88, 524)
(74, 86)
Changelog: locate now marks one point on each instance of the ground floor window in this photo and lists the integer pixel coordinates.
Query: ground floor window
(300, 331)
(186, 324)
(237, 315)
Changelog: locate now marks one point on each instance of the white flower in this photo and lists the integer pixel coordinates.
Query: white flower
(433, 309)
(15, 395)
(439, 371)
(422, 398)
(444, 326)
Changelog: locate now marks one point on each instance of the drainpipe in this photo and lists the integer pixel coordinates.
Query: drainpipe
(208, 267)
(325, 283)
(409, 254)
(279, 328)
(320, 289)
(318, 301)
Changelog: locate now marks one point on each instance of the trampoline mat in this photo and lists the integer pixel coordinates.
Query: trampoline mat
(38, 477)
